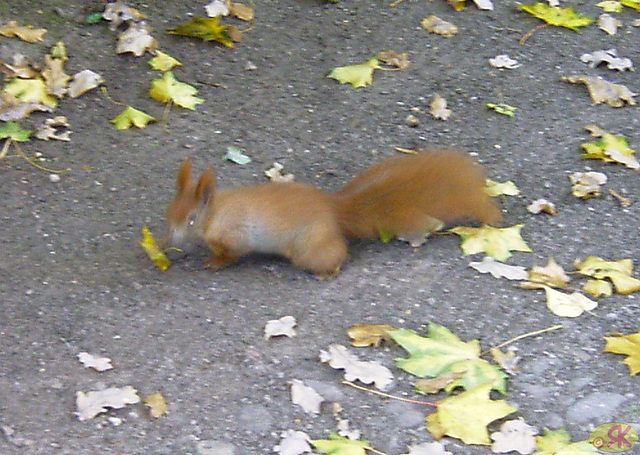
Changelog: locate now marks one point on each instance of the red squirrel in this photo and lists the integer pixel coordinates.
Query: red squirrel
(406, 196)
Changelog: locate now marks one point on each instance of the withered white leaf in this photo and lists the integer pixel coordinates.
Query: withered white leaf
(345, 430)
(306, 397)
(293, 443)
(280, 327)
(542, 205)
(608, 23)
(568, 305)
(434, 24)
(339, 357)
(97, 363)
(586, 185)
(13, 109)
(217, 8)
(602, 91)
(499, 269)
(438, 108)
(118, 12)
(136, 39)
(84, 81)
(504, 61)
(56, 128)
(92, 403)
(610, 57)
(277, 174)
(514, 435)
(485, 5)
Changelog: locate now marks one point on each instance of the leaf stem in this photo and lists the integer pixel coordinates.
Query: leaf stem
(531, 32)
(526, 335)
(386, 395)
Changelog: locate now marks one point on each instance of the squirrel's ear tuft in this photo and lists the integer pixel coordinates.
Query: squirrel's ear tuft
(206, 186)
(184, 174)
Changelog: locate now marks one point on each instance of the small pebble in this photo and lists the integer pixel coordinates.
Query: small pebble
(54, 178)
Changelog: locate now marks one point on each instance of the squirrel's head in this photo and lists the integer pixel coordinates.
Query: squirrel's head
(187, 212)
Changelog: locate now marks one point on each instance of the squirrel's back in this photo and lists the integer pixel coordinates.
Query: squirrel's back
(403, 195)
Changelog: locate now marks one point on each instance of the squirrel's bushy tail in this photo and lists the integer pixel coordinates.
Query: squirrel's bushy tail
(412, 194)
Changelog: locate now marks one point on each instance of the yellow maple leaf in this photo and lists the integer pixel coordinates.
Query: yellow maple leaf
(357, 75)
(495, 242)
(132, 117)
(153, 251)
(557, 16)
(30, 91)
(467, 415)
(163, 62)
(25, 33)
(168, 88)
(627, 345)
(507, 188)
(611, 148)
(205, 29)
(568, 305)
(559, 442)
(619, 272)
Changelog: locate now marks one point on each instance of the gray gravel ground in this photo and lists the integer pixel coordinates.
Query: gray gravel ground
(73, 279)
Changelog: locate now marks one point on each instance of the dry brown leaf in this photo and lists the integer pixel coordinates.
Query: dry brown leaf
(136, 39)
(552, 275)
(507, 360)
(25, 33)
(13, 109)
(241, 11)
(54, 77)
(56, 128)
(83, 82)
(118, 12)
(363, 335)
(587, 184)
(440, 382)
(542, 205)
(400, 61)
(602, 91)
(434, 24)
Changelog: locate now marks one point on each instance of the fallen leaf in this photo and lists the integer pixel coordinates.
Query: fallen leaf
(25, 33)
(608, 24)
(598, 288)
(508, 361)
(30, 91)
(293, 443)
(507, 188)
(438, 108)
(434, 24)
(357, 75)
(363, 335)
(552, 275)
(514, 435)
(542, 205)
(339, 358)
(504, 61)
(400, 61)
(305, 397)
(91, 404)
(337, 445)
(163, 62)
(217, 8)
(242, 12)
(441, 351)
(610, 57)
(500, 270)
(441, 382)
(495, 242)
(14, 131)
(136, 39)
(277, 174)
(628, 345)
(97, 363)
(168, 88)
(132, 117)
(56, 128)
(55, 78)
(118, 12)
(467, 415)
(611, 148)
(157, 405)
(568, 305)
(13, 109)
(84, 81)
(504, 109)
(586, 185)
(557, 16)
(602, 91)
(619, 272)
(280, 327)
(236, 155)
(149, 244)
(558, 442)
(206, 29)
(345, 431)
(610, 6)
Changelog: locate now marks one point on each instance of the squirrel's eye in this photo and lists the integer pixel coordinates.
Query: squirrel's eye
(191, 219)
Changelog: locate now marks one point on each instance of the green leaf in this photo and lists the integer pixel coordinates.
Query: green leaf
(167, 88)
(441, 351)
(132, 117)
(205, 29)
(357, 75)
(503, 109)
(14, 131)
(337, 445)
(236, 155)
(557, 16)
(94, 18)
